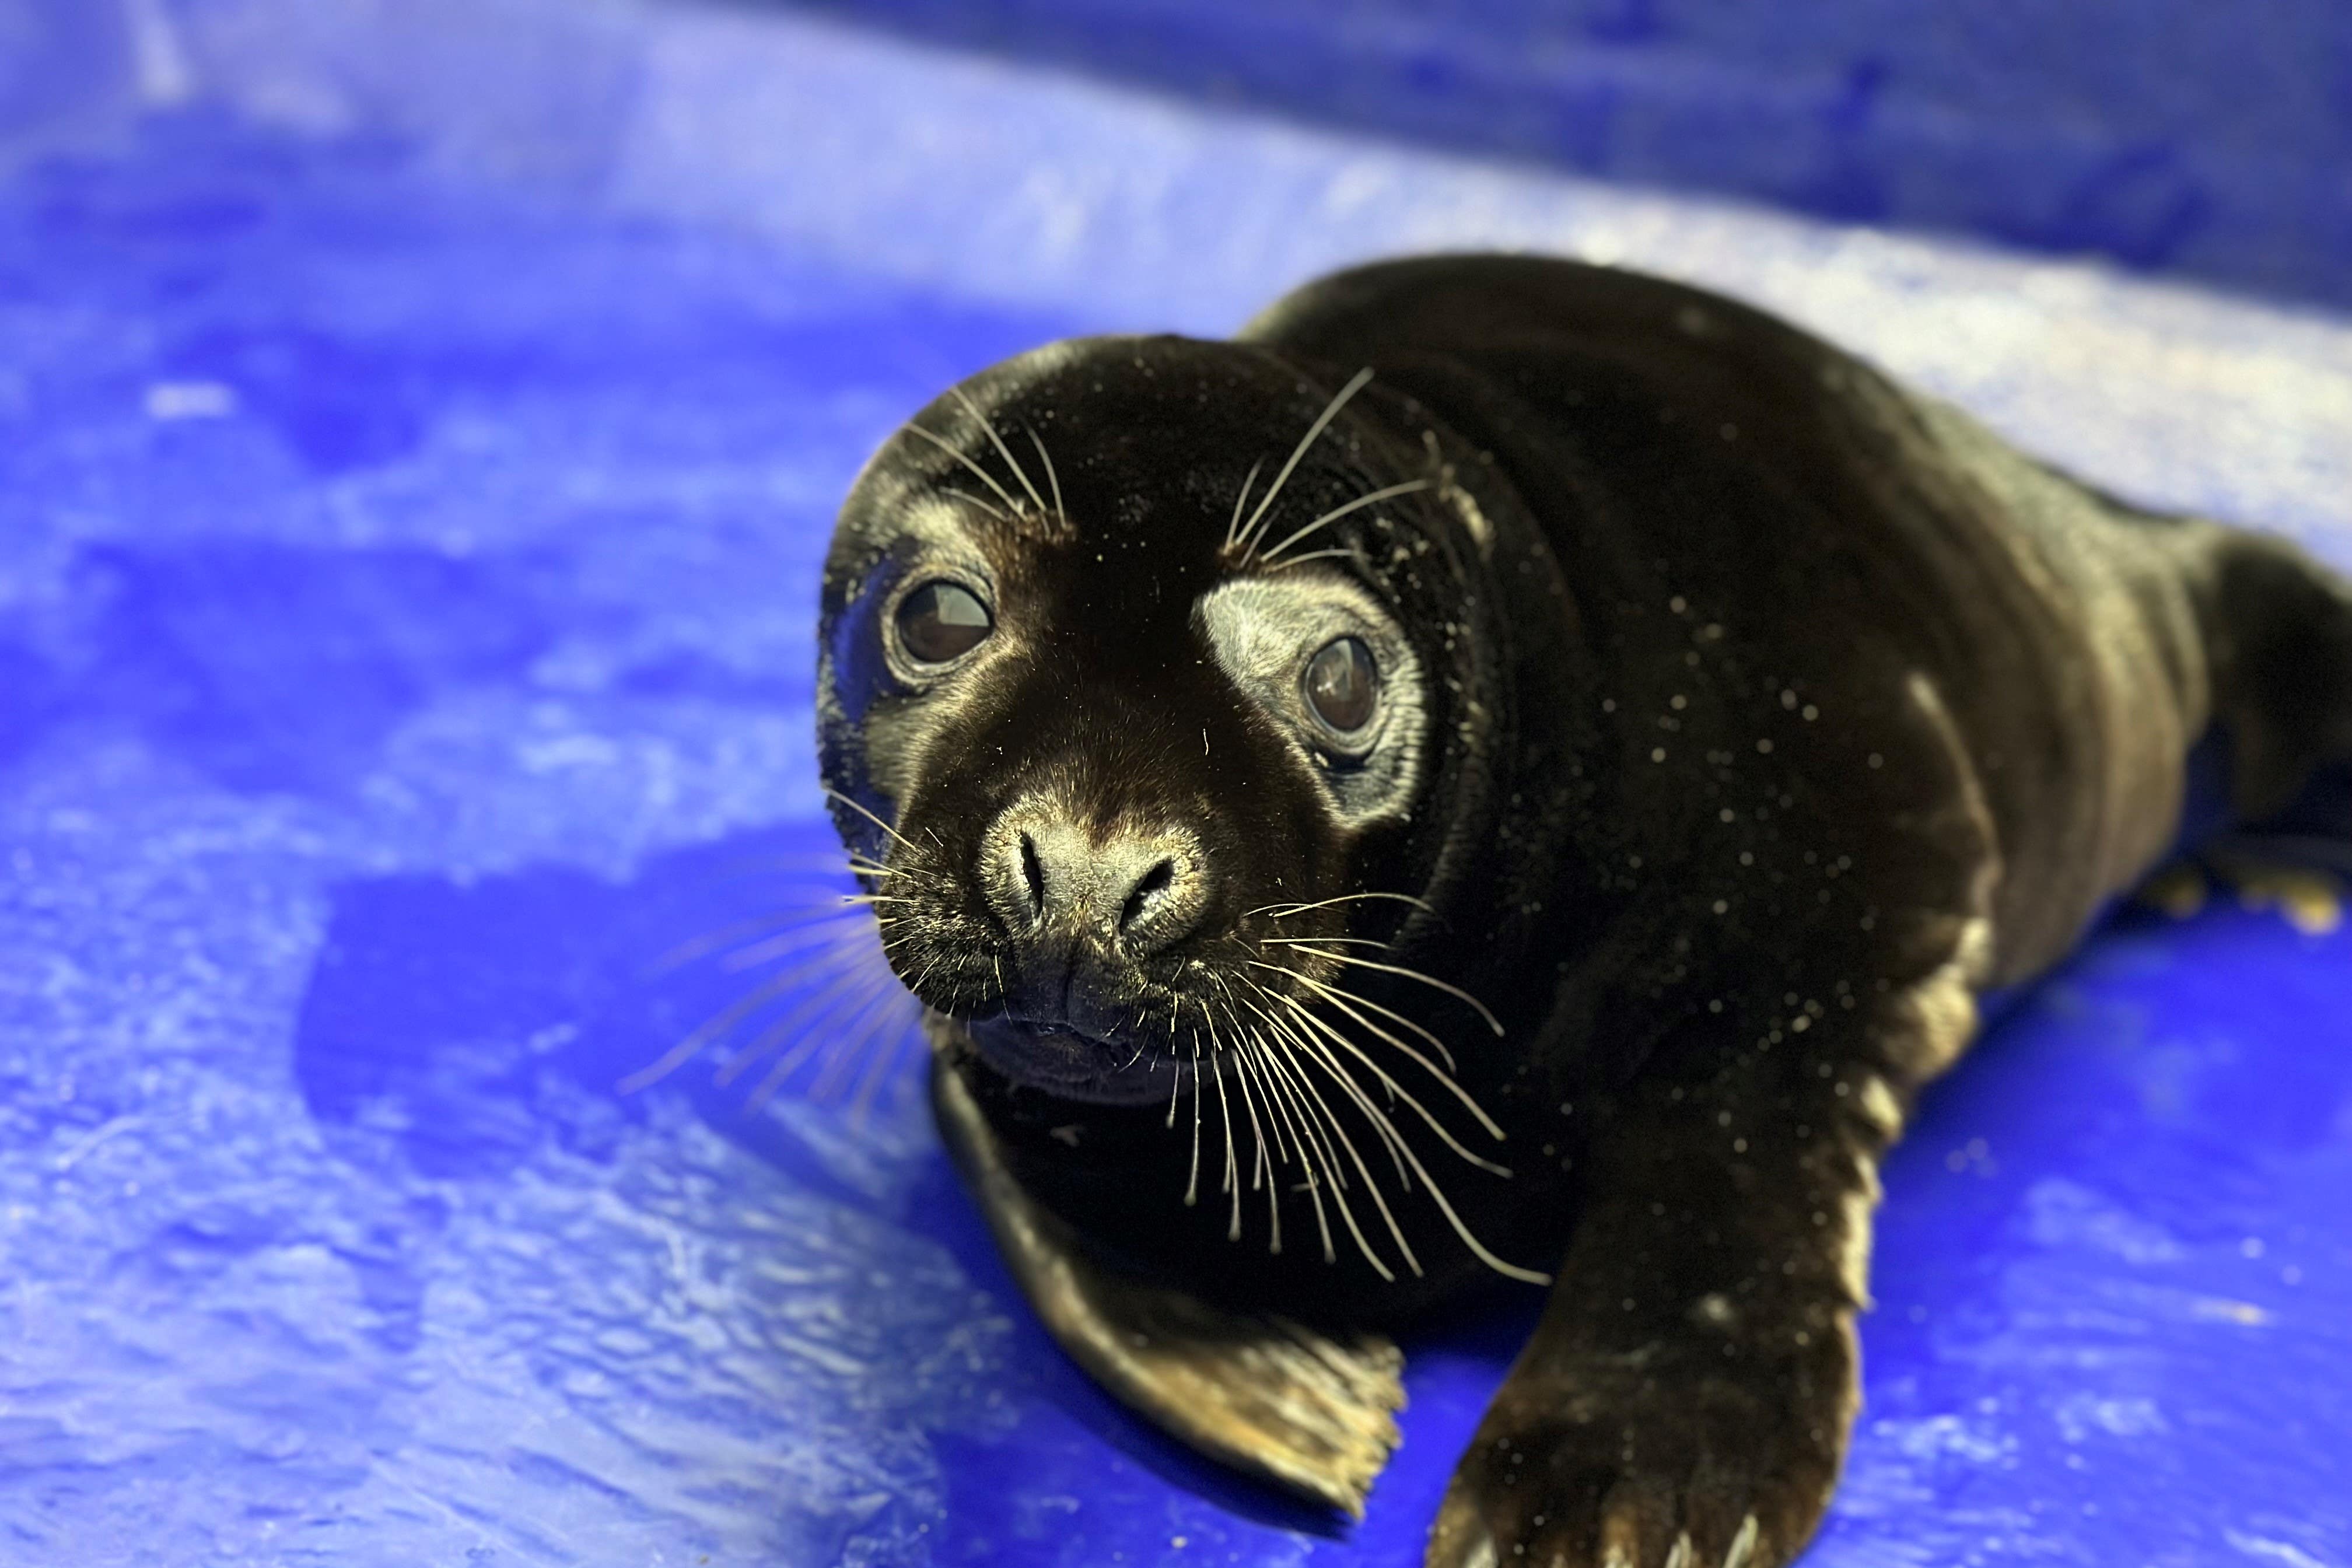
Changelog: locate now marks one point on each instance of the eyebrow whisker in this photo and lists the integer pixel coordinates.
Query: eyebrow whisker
(1001, 449)
(1233, 524)
(980, 473)
(1330, 411)
(1337, 512)
(1053, 479)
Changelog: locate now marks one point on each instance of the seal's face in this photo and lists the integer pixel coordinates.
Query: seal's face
(1129, 673)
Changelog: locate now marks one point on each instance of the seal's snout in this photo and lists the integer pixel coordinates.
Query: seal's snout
(1085, 904)
(1129, 888)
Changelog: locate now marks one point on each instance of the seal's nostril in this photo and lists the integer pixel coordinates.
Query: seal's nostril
(1033, 871)
(1146, 892)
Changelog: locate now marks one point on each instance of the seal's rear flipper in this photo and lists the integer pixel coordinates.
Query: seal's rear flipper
(1312, 1414)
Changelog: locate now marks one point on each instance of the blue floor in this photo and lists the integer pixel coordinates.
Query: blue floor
(410, 508)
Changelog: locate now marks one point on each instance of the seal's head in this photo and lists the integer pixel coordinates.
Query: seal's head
(1140, 660)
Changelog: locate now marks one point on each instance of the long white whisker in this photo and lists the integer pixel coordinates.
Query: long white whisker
(1289, 560)
(1337, 512)
(1445, 1207)
(1288, 910)
(1233, 524)
(1176, 1081)
(710, 1029)
(879, 1071)
(831, 938)
(711, 940)
(870, 817)
(990, 507)
(1233, 1182)
(1444, 1135)
(978, 472)
(869, 1008)
(1386, 1128)
(1314, 1103)
(1343, 998)
(1278, 1091)
(1192, 1180)
(1478, 1247)
(1386, 1131)
(1492, 1022)
(1001, 449)
(1263, 1165)
(1053, 480)
(1330, 412)
(859, 985)
(842, 1049)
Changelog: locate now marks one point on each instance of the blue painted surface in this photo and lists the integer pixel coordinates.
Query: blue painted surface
(2166, 134)
(409, 501)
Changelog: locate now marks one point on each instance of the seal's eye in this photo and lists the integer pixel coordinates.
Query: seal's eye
(940, 621)
(1343, 686)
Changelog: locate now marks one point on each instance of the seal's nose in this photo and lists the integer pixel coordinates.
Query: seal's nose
(1131, 889)
(1083, 903)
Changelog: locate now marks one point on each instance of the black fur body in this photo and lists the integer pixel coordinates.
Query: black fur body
(1765, 713)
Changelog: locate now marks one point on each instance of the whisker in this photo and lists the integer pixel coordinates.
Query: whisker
(1313, 1103)
(1001, 449)
(1175, 1086)
(797, 1052)
(709, 941)
(1276, 1088)
(1388, 1082)
(710, 1029)
(1445, 1207)
(1337, 512)
(1234, 525)
(1344, 554)
(1341, 997)
(855, 986)
(1193, 1179)
(883, 1062)
(1381, 1126)
(1384, 1126)
(1232, 1180)
(870, 817)
(1262, 1163)
(843, 1049)
(978, 472)
(831, 937)
(1277, 1057)
(1330, 412)
(1289, 910)
(1284, 1150)
(1052, 479)
(871, 1008)
(1454, 990)
(990, 507)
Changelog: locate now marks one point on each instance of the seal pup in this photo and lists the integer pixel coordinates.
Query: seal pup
(1506, 768)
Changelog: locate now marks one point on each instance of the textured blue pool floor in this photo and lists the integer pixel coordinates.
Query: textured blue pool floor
(405, 591)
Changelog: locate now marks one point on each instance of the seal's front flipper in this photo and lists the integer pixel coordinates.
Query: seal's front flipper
(1312, 1414)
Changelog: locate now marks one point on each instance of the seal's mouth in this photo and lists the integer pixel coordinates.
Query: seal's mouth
(1071, 1064)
